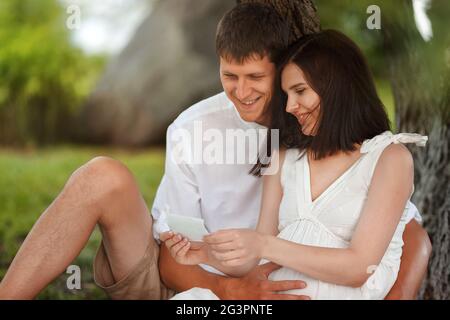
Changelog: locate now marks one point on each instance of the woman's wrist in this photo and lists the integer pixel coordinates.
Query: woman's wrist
(265, 240)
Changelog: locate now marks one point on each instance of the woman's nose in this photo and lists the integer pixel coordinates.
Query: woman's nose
(292, 106)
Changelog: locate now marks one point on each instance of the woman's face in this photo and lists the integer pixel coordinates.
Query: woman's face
(303, 102)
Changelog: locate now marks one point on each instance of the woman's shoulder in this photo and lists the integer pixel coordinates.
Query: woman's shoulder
(396, 155)
(387, 153)
(395, 166)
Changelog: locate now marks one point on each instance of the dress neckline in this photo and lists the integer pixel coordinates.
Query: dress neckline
(307, 180)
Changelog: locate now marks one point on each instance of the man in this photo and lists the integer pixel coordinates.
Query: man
(103, 192)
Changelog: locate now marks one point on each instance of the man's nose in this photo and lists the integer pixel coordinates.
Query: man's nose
(243, 90)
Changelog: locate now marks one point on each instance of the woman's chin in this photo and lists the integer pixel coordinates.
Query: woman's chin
(307, 132)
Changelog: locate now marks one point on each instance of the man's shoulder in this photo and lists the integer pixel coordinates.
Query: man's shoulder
(206, 108)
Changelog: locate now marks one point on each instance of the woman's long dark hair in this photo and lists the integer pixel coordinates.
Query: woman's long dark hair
(350, 109)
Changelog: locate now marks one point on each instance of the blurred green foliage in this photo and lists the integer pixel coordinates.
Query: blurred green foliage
(43, 77)
(30, 181)
(350, 17)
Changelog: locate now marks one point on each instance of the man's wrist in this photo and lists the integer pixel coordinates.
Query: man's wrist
(220, 285)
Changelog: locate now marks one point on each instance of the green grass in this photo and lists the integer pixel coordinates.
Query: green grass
(30, 180)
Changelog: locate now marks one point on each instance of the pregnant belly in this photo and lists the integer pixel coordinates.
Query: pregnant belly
(312, 285)
(313, 234)
(315, 289)
(310, 233)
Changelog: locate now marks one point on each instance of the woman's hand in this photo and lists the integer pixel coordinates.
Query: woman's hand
(183, 250)
(236, 247)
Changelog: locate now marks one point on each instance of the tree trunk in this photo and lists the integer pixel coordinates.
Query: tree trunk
(300, 14)
(419, 76)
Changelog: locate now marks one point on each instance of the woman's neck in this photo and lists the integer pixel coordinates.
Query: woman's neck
(338, 155)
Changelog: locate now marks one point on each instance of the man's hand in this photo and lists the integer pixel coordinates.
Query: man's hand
(184, 251)
(256, 286)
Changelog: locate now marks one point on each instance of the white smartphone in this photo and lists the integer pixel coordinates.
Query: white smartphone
(192, 228)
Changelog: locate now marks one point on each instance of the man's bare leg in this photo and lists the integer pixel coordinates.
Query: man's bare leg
(102, 191)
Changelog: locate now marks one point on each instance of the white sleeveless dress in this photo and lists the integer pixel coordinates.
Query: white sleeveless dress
(331, 219)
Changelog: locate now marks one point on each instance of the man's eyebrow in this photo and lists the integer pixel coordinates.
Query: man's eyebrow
(257, 74)
(254, 74)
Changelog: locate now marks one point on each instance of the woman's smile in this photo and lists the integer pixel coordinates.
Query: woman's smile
(303, 102)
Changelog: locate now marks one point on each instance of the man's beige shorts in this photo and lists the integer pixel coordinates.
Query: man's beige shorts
(142, 283)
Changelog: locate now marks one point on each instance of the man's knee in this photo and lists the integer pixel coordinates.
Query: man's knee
(103, 176)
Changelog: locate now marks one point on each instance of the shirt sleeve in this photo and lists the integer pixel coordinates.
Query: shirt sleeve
(178, 192)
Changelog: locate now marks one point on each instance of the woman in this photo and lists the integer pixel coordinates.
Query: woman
(334, 214)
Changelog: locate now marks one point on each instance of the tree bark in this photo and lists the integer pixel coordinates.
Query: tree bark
(419, 75)
(301, 15)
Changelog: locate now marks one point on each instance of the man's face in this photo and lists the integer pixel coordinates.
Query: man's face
(249, 86)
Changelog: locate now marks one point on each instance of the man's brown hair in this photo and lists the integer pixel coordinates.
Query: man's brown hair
(251, 30)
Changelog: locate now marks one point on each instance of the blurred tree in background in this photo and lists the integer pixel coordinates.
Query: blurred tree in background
(419, 71)
(43, 77)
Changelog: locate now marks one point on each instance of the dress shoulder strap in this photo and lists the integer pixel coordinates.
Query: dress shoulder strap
(381, 141)
(373, 148)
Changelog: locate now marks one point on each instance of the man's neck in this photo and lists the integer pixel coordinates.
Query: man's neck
(264, 121)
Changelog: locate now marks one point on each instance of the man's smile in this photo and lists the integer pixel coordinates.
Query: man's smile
(248, 102)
